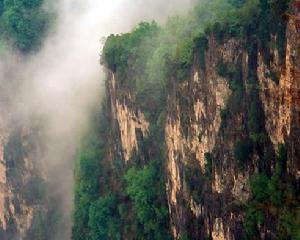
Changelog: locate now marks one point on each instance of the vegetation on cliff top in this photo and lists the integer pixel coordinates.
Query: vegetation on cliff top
(23, 23)
(149, 47)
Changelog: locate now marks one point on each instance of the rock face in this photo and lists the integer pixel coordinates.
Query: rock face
(194, 128)
(193, 124)
(205, 184)
(21, 181)
(15, 212)
(3, 183)
(281, 102)
(128, 120)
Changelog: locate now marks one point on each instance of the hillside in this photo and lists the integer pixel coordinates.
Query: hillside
(198, 136)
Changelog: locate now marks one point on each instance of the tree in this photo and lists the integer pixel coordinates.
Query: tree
(104, 220)
(24, 22)
(144, 188)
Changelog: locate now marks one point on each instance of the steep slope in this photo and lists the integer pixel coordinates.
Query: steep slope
(233, 135)
(215, 110)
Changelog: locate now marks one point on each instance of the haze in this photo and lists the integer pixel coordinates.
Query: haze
(63, 81)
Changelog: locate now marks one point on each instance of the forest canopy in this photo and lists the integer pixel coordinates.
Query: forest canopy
(23, 24)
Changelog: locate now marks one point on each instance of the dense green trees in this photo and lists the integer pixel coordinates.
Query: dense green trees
(87, 184)
(146, 189)
(100, 212)
(119, 49)
(23, 23)
(104, 219)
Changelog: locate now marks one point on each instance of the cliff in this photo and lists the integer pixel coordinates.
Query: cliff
(223, 129)
(206, 97)
(19, 181)
(25, 204)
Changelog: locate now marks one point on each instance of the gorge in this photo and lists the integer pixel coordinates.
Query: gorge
(190, 131)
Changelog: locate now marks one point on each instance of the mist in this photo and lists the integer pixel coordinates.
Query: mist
(63, 82)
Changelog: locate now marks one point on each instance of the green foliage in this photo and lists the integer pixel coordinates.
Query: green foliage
(88, 162)
(119, 50)
(237, 3)
(258, 187)
(258, 19)
(225, 69)
(201, 45)
(269, 21)
(87, 187)
(1, 7)
(233, 74)
(145, 191)
(218, 31)
(24, 22)
(104, 220)
(174, 44)
(184, 53)
(100, 214)
(273, 198)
